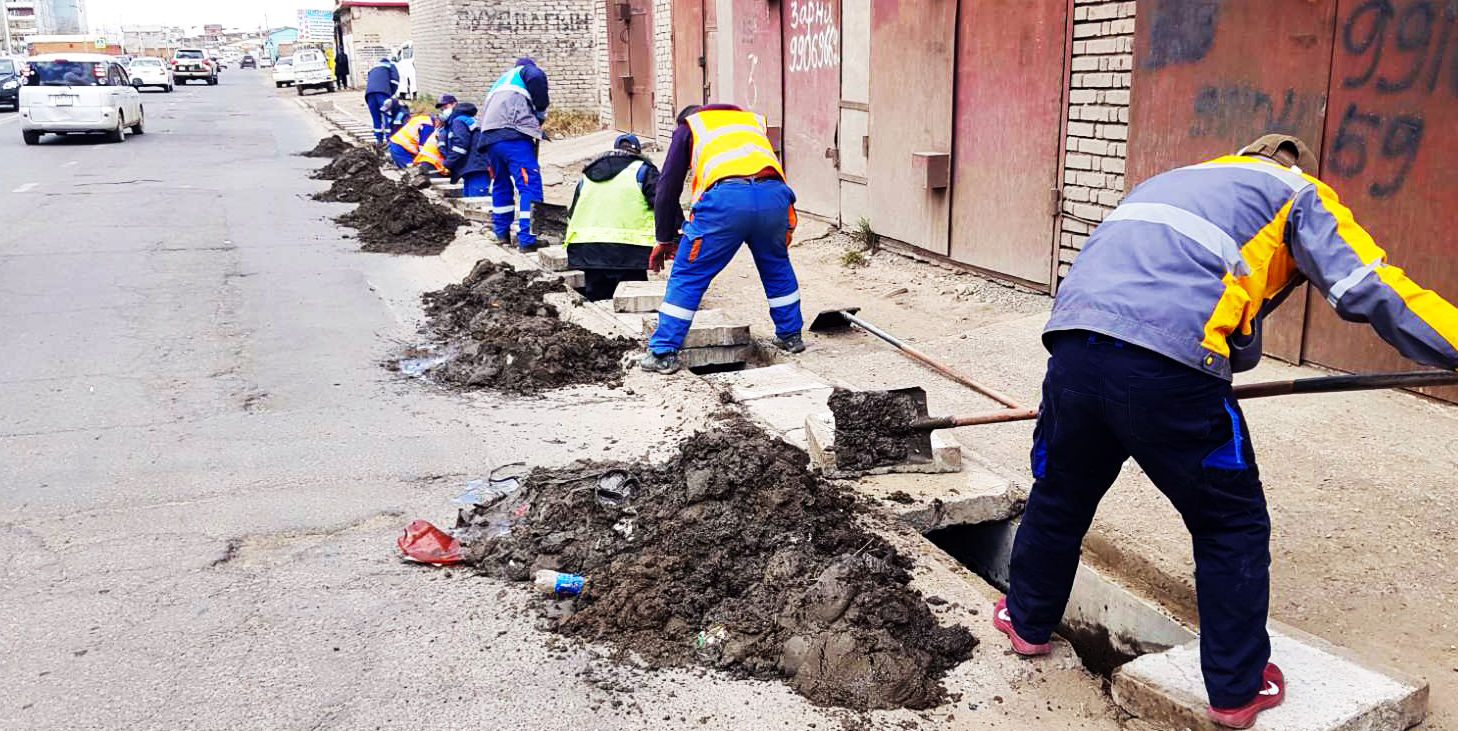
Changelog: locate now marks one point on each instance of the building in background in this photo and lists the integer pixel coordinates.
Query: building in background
(280, 42)
(73, 44)
(370, 30)
(61, 17)
(20, 24)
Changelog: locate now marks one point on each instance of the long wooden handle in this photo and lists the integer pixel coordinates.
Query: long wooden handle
(939, 367)
(1327, 384)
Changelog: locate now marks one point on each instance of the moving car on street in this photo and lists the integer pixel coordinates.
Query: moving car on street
(192, 64)
(283, 72)
(10, 83)
(248, 62)
(150, 72)
(311, 70)
(66, 93)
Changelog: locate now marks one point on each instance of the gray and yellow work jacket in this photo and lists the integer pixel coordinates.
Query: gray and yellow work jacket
(1194, 259)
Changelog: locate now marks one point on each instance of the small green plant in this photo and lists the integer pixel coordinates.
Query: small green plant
(851, 259)
(870, 240)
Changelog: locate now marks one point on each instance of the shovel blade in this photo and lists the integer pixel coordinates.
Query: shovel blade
(918, 443)
(832, 320)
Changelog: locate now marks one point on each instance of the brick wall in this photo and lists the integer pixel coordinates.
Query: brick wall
(1098, 119)
(664, 104)
(374, 34)
(461, 46)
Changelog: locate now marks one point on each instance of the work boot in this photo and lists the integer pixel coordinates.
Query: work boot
(1003, 623)
(664, 363)
(791, 343)
(1272, 692)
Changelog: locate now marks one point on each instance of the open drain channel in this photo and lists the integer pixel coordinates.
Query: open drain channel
(1106, 624)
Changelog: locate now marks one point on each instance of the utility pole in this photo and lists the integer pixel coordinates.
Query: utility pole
(5, 21)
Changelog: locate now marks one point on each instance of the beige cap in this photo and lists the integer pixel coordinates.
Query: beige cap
(1268, 145)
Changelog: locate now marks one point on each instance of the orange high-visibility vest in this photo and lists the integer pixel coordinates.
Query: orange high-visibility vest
(727, 144)
(430, 154)
(409, 135)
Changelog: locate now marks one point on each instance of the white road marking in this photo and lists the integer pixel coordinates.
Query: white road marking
(73, 162)
(25, 188)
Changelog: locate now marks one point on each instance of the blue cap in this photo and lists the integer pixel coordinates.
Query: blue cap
(445, 99)
(628, 143)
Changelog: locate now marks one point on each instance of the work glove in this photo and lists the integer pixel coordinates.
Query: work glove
(661, 253)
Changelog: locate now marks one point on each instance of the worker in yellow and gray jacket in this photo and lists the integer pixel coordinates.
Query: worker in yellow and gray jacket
(1163, 304)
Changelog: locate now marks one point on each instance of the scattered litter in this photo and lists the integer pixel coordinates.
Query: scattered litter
(558, 584)
(425, 543)
(502, 481)
(418, 367)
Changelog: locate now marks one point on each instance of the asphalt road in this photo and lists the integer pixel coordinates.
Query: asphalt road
(203, 465)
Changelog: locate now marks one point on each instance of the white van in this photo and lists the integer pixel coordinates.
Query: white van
(67, 93)
(404, 58)
(311, 70)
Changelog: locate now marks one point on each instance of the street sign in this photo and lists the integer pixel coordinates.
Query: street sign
(316, 25)
(100, 44)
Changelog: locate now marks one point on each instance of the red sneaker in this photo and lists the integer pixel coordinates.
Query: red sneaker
(1003, 623)
(1269, 696)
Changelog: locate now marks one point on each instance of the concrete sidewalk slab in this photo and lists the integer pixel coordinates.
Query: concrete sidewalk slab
(716, 355)
(929, 502)
(775, 380)
(710, 328)
(1328, 689)
(553, 258)
(639, 296)
(820, 439)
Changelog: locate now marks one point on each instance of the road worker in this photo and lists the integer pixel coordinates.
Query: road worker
(510, 130)
(381, 83)
(431, 158)
(610, 222)
(1165, 302)
(406, 143)
(738, 196)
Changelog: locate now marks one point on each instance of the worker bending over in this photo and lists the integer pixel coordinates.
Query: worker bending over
(455, 140)
(431, 158)
(739, 196)
(405, 144)
(1166, 300)
(510, 130)
(610, 227)
(381, 83)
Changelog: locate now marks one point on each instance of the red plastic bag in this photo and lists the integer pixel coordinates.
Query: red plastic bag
(425, 543)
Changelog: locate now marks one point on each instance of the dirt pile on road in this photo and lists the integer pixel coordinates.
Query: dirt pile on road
(350, 163)
(870, 428)
(401, 220)
(368, 184)
(730, 555)
(502, 335)
(331, 146)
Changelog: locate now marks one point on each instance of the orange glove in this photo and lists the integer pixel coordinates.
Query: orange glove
(661, 253)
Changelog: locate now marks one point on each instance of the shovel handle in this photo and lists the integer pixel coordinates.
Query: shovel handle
(1360, 382)
(939, 367)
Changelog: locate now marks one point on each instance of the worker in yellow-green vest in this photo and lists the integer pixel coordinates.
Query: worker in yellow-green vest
(610, 231)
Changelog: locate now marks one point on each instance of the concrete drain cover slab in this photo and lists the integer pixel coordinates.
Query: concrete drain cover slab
(1328, 689)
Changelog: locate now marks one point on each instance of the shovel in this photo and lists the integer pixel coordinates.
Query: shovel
(918, 432)
(842, 319)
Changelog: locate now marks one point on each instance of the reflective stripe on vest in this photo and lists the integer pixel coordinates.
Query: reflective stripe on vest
(727, 144)
(510, 81)
(612, 212)
(430, 154)
(409, 136)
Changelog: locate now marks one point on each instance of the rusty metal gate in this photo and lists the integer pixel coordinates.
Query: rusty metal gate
(1009, 116)
(630, 43)
(690, 82)
(1364, 81)
(1394, 94)
(812, 103)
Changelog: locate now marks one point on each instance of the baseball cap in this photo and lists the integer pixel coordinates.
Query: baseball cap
(629, 143)
(445, 99)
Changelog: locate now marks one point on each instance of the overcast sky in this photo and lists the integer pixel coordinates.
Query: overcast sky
(249, 14)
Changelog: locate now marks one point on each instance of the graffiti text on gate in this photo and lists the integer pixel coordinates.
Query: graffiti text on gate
(1237, 112)
(815, 40)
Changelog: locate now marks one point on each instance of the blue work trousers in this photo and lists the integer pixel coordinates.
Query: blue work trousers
(514, 166)
(728, 215)
(401, 156)
(477, 184)
(1105, 401)
(377, 117)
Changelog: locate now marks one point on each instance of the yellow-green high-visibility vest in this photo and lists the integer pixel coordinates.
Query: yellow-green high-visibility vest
(612, 212)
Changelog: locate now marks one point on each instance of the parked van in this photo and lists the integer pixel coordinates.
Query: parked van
(66, 93)
(404, 58)
(311, 70)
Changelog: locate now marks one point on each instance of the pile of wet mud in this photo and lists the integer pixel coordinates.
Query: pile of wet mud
(731, 555)
(871, 428)
(350, 163)
(331, 146)
(399, 219)
(368, 184)
(500, 334)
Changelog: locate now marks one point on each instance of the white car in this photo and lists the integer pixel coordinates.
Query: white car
(311, 70)
(264, 62)
(283, 72)
(150, 72)
(66, 93)
(404, 58)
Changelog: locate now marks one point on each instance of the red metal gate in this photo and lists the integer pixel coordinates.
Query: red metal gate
(1009, 115)
(690, 84)
(758, 85)
(630, 45)
(812, 103)
(1394, 94)
(911, 117)
(1212, 75)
